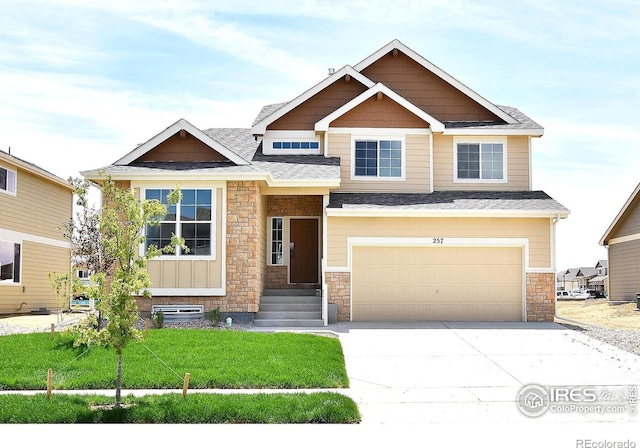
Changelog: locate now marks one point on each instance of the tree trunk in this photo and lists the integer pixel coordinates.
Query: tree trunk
(119, 380)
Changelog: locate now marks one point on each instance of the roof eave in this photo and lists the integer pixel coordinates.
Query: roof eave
(446, 213)
(605, 238)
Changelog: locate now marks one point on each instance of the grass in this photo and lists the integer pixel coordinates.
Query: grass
(214, 359)
(599, 312)
(320, 407)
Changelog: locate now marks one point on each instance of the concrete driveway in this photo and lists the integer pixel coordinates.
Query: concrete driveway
(462, 372)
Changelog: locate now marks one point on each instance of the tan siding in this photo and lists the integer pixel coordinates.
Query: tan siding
(437, 283)
(624, 270)
(630, 223)
(517, 165)
(536, 230)
(38, 260)
(191, 273)
(379, 113)
(318, 106)
(416, 166)
(426, 90)
(39, 207)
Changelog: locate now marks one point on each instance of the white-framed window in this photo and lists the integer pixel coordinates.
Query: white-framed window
(190, 219)
(276, 256)
(291, 143)
(480, 161)
(8, 179)
(378, 158)
(10, 257)
(304, 145)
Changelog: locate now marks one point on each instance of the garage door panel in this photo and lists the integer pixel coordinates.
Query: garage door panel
(443, 283)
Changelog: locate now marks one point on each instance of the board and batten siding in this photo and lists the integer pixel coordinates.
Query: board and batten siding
(39, 207)
(171, 272)
(536, 230)
(517, 164)
(630, 224)
(624, 270)
(416, 166)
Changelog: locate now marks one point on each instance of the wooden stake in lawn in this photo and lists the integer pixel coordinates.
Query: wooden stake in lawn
(49, 382)
(186, 384)
(52, 330)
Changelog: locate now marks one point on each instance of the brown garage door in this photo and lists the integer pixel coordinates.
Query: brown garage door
(437, 283)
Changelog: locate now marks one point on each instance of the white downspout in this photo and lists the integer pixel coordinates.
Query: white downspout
(430, 162)
(325, 296)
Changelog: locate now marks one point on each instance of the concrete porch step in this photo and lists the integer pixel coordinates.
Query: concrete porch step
(304, 315)
(290, 300)
(290, 306)
(288, 323)
(289, 292)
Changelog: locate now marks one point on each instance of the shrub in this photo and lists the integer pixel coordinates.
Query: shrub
(214, 316)
(157, 319)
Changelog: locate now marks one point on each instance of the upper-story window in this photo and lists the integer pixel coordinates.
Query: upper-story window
(378, 159)
(7, 181)
(9, 262)
(480, 162)
(295, 145)
(190, 219)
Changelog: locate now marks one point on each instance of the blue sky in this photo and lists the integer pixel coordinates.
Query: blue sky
(82, 82)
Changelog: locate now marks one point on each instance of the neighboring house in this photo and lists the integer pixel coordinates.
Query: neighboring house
(391, 188)
(622, 240)
(585, 275)
(33, 205)
(601, 281)
(567, 280)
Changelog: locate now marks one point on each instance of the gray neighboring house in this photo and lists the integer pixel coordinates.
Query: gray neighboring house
(622, 240)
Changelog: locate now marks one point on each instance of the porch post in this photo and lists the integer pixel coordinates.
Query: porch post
(323, 262)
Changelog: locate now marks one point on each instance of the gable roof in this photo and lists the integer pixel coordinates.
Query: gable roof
(181, 125)
(605, 238)
(260, 127)
(33, 168)
(396, 44)
(323, 124)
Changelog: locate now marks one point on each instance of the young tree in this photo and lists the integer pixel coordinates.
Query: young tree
(120, 271)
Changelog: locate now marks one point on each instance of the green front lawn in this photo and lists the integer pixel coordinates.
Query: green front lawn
(213, 358)
(320, 407)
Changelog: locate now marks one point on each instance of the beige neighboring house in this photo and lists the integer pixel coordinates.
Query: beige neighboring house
(390, 189)
(622, 240)
(33, 205)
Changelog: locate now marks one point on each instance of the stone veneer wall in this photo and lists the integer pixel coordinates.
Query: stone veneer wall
(339, 292)
(541, 297)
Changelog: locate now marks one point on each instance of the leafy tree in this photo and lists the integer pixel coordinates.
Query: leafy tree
(119, 271)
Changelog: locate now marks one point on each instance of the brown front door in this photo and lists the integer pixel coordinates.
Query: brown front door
(303, 252)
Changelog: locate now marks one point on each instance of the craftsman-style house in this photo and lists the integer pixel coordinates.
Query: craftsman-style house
(390, 190)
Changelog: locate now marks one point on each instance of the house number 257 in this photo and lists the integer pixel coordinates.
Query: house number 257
(438, 240)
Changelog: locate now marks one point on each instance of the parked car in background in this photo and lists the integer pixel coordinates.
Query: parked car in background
(579, 294)
(594, 294)
(563, 295)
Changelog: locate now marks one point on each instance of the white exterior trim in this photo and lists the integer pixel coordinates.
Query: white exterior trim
(323, 125)
(623, 210)
(261, 127)
(438, 72)
(493, 131)
(160, 292)
(300, 136)
(624, 239)
(181, 125)
(445, 213)
(20, 237)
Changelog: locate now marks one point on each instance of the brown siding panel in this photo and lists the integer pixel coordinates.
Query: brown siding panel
(318, 106)
(383, 113)
(624, 271)
(630, 224)
(182, 149)
(426, 90)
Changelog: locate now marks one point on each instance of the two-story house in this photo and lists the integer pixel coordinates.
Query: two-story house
(33, 206)
(390, 187)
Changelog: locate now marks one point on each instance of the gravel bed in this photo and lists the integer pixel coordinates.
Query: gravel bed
(627, 340)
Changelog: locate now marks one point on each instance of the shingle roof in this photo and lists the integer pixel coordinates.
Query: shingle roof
(266, 111)
(238, 140)
(524, 122)
(449, 200)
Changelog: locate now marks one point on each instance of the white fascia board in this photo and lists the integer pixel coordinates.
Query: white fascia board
(178, 126)
(489, 131)
(605, 237)
(442, 213)
(261, 127)
(37, 171)
(437, 71)
(323, 125)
